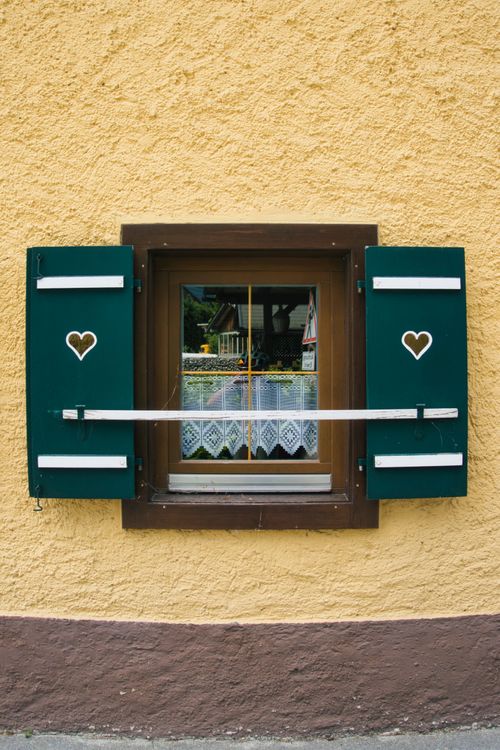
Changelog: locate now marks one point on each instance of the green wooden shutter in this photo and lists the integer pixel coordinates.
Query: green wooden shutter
(79, 353)
(416, 356)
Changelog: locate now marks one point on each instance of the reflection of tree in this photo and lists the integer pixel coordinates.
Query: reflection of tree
(196, 312)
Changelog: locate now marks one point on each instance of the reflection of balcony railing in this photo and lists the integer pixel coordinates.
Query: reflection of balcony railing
(231, 344)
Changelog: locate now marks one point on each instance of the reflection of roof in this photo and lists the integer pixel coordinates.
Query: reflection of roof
(226, 312)
(297, 317)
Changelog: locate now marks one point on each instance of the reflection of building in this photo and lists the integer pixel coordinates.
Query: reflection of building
(277, 329)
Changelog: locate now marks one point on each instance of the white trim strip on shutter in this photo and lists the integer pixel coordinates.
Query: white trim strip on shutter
(82, 462)
(80, 282)
(407, 461)
(416, 282)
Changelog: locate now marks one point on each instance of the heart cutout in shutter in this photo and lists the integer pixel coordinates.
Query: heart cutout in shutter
(81, 343)
(416, 343)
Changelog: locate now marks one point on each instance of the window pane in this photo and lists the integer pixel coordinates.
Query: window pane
(269, 352)
(280, 316)
(214, 342)
(284, 439)
(214, 439)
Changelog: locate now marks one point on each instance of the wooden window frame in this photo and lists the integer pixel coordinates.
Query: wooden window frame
(253, 269)
(201, 511)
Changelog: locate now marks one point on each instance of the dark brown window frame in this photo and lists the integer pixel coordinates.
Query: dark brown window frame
(174, 271)
(196, 511)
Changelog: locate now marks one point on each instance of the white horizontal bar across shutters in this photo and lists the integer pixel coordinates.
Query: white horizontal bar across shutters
(253, 416)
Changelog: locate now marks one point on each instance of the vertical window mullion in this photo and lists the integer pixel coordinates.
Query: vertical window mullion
(249, 374)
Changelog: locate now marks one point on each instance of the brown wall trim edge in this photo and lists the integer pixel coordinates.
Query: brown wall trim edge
(317, 679)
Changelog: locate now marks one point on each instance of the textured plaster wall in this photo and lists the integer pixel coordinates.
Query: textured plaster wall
(348, 111)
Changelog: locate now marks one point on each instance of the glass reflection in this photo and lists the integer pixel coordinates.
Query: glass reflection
(249, 348)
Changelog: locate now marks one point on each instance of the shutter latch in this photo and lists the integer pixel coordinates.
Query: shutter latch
(138, 285)
(361, 285)
(38, 506)
(361, 464)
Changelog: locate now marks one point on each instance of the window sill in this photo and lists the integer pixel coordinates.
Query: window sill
(183, 511)
(227, 499)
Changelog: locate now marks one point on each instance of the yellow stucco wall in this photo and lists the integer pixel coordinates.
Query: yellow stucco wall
(349, 111)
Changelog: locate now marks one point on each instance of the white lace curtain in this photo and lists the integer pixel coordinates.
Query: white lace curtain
(269, 392)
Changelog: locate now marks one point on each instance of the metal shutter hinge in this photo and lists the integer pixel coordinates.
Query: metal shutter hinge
(361, 285)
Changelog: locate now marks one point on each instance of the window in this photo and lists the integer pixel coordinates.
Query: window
(280, 312)
(249, 317)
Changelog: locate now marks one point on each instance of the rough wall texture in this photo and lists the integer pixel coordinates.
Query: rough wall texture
(353, 111)
(280, 679)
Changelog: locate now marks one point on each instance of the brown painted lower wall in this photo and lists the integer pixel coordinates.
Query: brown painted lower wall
(280, 679)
